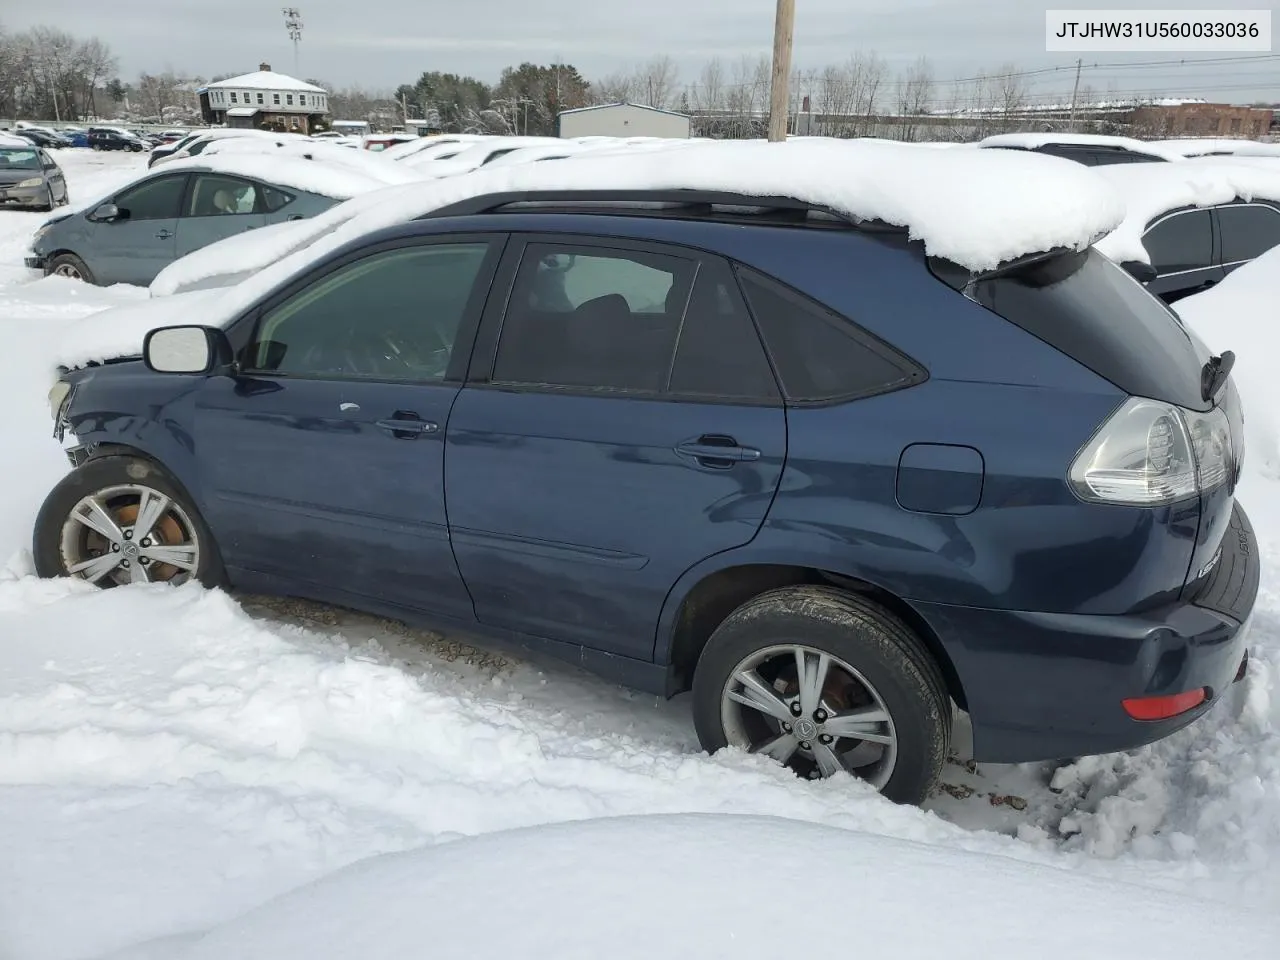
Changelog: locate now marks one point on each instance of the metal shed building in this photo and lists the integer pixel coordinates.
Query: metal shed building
(623, 120)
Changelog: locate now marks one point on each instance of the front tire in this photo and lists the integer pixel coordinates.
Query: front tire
(71, 267)
(826, 682)
(118, 520)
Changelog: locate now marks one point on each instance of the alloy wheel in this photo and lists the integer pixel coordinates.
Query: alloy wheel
(130, 533)
(811, 711)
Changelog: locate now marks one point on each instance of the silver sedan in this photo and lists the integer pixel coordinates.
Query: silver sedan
(29, 177)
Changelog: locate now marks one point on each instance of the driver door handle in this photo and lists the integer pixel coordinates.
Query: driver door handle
(717, 451)
(408, 426)
(163, 235)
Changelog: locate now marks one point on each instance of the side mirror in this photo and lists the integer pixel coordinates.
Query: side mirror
(107, 212)
(1142, 272)
(185, 349)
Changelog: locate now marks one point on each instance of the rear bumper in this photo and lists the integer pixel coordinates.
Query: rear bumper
(1044, 686)
(34, 262)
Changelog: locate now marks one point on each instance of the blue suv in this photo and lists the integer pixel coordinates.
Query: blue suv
(834, 486)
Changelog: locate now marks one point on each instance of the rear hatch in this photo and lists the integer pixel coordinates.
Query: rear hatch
(1087, 307)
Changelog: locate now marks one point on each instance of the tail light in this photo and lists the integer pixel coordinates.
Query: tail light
(1150, 453)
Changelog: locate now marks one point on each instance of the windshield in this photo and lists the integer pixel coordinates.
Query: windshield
(19, 158)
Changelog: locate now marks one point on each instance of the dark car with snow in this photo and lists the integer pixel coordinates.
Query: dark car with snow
(112, 138)
(1190, 224)
(1091, 150)
(835, 477)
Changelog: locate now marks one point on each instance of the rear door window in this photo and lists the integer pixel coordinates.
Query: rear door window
(214, 195)
(593, 318)
(1247, 231)
(1181, 242)
(720, 354)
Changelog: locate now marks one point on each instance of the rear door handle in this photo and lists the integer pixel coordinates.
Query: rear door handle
(163, 235)
(408, 428)
(715, 450)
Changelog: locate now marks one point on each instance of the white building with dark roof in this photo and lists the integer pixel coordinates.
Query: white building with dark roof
(264, 100)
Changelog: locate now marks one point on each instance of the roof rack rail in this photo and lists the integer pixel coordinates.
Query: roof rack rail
(696, 202)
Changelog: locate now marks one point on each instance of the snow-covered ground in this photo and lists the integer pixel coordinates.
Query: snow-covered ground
(173, 758)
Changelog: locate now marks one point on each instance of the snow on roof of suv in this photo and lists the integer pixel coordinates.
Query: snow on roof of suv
(977, 208)
(1153, 189)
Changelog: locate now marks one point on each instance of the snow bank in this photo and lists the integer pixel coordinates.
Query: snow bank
(977, 207)
(1032, 141)
(1240, 314)
(715, 886)
(1151, 189)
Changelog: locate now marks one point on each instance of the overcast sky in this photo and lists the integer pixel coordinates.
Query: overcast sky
(382, 43)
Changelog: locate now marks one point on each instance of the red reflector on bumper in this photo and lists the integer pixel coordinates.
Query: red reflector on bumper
(1162, 708)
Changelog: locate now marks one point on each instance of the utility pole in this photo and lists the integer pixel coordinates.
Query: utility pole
(779, 99)
(1075, 91)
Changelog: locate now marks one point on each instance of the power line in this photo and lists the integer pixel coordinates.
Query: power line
(1045, 71)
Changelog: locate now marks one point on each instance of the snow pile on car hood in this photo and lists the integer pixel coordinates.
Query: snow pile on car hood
(976, 207)
(1152, 189)
(699, 879)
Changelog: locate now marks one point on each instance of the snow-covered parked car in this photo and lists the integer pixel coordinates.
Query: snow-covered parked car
(1219, 147)
(1093, 150)
(1189, 224)
(410, 148)
(196, 143)
(472, 156)
(603, 409)
(132, 234)
(329, 152)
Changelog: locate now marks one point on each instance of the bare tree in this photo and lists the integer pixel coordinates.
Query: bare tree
(156, 94)
(97, 66)
(47, 74)
(914, 93)
(1009, 95)
(617, 87)
(657, 82)
(708, 94)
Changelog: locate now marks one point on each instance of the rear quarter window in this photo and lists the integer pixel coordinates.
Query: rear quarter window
(819, 355)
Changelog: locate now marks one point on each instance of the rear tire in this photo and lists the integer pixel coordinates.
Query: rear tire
(70, 266)
(869, 677)
(124, 519)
